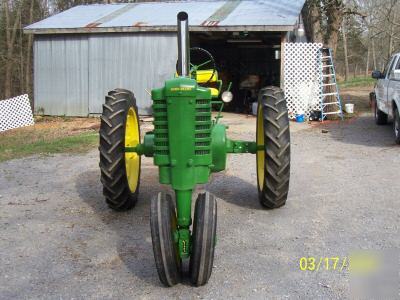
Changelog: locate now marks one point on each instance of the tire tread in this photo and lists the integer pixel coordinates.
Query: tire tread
(204, 235)
(112, 134)
(162, 216)
(277, 148)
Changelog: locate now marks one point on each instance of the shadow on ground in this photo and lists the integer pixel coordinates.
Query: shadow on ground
(234, 190)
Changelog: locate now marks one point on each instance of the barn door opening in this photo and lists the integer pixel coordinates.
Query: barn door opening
(250, 60)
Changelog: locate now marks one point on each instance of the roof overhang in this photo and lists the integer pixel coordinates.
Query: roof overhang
(266, 28)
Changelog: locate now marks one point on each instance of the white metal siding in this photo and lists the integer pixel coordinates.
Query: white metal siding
(136, 62)
(74, 72)
(61, 75)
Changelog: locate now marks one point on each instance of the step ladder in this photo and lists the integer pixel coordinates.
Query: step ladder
(331, 103)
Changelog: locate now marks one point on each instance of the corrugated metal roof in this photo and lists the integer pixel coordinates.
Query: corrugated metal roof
(254, 15)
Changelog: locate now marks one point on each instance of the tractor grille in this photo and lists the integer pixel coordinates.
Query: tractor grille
(161, 146)
(203, 127)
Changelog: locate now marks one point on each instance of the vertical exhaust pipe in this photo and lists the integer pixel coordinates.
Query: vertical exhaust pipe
(183, 44)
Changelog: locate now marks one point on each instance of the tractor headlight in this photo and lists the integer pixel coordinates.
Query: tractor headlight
(227, 96)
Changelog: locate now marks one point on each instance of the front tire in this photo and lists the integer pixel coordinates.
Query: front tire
(204, 239)
(120, 171)
(163, 225)
(380, 117)
(396, 125)
(273, 160)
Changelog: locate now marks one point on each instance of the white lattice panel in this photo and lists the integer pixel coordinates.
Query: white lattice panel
(15, 112)
(302, 77)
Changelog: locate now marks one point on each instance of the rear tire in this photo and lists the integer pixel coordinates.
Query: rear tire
(396, 125)
(163, 225)
(204, 239)
(116, 189)
(380, 117)
(273, 161)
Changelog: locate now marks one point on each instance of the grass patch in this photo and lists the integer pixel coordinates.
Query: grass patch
(21, 143)
(358, 81)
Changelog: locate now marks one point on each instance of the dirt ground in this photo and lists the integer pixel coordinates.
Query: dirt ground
(65, 125)
(59, 240)
(359, 96)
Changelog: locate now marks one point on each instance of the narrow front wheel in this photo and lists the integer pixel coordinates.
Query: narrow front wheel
(204, 239)
(163, 225)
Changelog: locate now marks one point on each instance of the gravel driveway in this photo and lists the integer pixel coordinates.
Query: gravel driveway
(58, 240)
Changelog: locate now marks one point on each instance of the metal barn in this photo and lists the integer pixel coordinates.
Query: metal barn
(83, 52)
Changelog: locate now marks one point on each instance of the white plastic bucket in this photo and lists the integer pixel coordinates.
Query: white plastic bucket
(254, 108)
(349, 108)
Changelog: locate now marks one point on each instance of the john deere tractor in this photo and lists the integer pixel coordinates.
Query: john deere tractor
(188, 145)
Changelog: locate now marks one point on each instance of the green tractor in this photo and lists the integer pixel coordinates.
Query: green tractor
(187, 145)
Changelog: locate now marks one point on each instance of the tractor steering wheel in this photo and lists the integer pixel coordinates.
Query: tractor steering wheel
(201, 59)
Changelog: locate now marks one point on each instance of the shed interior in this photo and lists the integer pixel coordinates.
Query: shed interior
(250, 60)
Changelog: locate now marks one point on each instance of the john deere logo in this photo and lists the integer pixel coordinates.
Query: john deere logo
(181, 89)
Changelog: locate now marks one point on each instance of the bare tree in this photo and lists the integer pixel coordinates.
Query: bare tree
(323, 19)
(28, 69)
(11, 27)
(346, 57)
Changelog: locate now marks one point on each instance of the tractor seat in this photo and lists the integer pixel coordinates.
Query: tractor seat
(203, 76)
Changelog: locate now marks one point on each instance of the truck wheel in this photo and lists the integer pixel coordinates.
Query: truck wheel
(273, 137)
(120, 171)
(204, 239)
(163, 227)
(396, 125)
(380, 117)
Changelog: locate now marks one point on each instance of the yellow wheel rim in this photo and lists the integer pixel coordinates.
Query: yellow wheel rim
(132, 139)
(261, 152)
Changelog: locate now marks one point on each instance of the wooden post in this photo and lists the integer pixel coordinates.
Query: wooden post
(283, 40)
